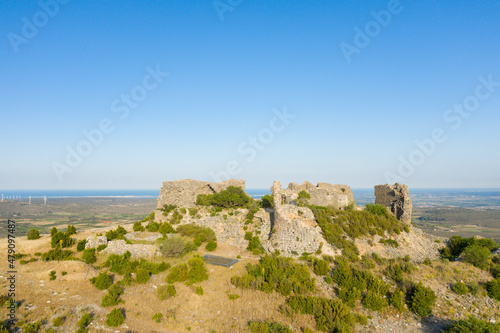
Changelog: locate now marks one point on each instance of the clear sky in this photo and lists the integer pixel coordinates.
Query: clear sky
(329, 91)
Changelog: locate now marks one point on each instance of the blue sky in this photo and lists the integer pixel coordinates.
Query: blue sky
(353, 116)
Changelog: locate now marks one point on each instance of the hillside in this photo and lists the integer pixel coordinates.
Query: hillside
(303, 266)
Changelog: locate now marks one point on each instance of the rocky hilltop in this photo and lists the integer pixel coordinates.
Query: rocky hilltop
(289, 226)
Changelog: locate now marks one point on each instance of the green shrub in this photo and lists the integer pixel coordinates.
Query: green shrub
(267, 327)
(166, 228)
(276, 273)
(197, 270)
(101, 247)
(421, 300)
(142, 275)
(303, 198)
(211, 246)
(165, 292)
(233, 297)
(193, 211)
(166, 209)
(178, 273)
(33, 234)
(380, 210)
(85, 321)
(493, 289)
(204, 234)
(61, 239)
(374, 301)
(52, 275)
(64, 273)
(58, 321)
(32, 327)
(173, 247)
(53, 231)
(473, 325)
(199, 291)
(115, 318)
(330, 315)
(113, 296)
(89, 256)
(254, 244)
(460, 288)
(81, 245)
(397, 300)
(427, 262)
(267, 201)
(153, 226)
(232, 196)
(321, 267)
(119, 233)
(102, 281)
(176, 217)
(477, 255)
(57, 254)
(458, 244)
(138, 226)
(157, 317)
(391, 242)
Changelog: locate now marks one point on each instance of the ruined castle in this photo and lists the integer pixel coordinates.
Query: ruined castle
(286, 226)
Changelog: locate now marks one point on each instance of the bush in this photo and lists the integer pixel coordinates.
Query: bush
(64, 273)
(276, 273)
(81, 245)
(473, 325)
(397, 300)
(193, 211)
(330, 315)
(84, 321)
(232, 196)
(172, 247)
(460, 288)
(113, 296)
(33, 234)
(153, 226)
(102, 281)
(89, 256)
(493, 289)
(254, 244)
(211, 246)
(119, 233)
(115, 318)
(165, 292)
(267, 201)
(374, 301)
(61, 239)
(138, 226)
(71, 230)
(157, 317)
(52, 275)
(427, 262)
(101, 247)
(477, 255)
(204, 234)
(303, 198)
(166, 209)
(32, 327)
(166, 228)
(57, 322)
(197, 270)
(142, 276)
(422, 300)
(57, 254)
(199, 291)
(267, 327)
(321, 267)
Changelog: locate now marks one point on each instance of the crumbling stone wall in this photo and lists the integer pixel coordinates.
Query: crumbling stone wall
(95, 241)
(183, 192)
(136, 250)
(323, 194)
(294, 229)
(397, 200)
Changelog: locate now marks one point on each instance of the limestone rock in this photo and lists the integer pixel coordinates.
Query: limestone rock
(397, 200)
(323, 194)
(183, 192)
(95, 241)
(136, 250)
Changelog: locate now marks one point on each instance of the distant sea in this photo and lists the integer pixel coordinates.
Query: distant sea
(423, 197)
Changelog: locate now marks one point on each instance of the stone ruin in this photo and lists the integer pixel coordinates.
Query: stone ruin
(397, 200)
(286, 227)
(294, 229)
(95, 241)
(183, 193)
(323, 194)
